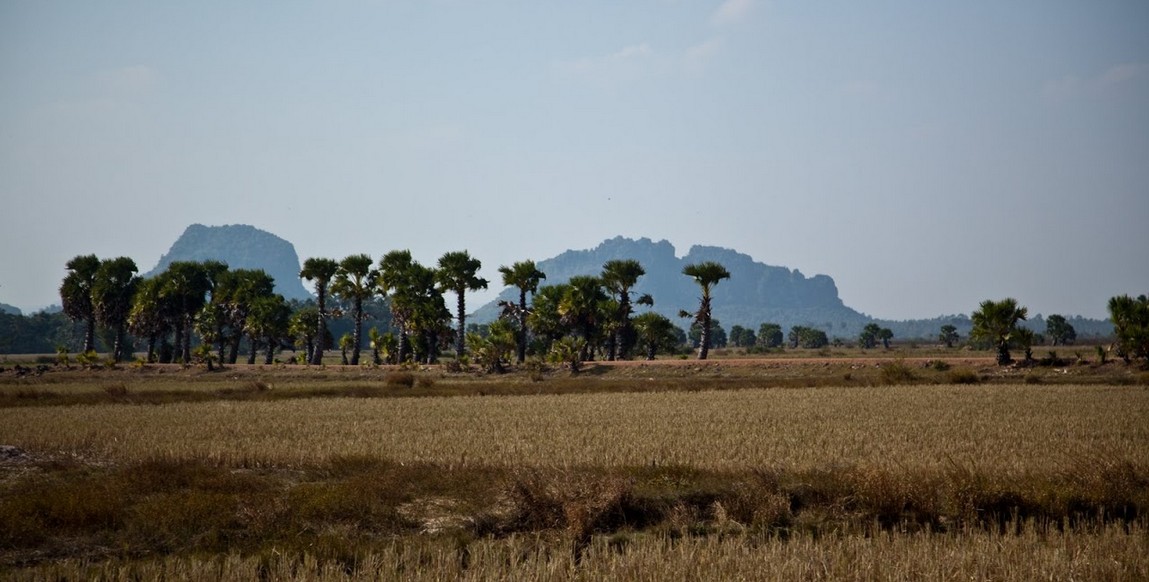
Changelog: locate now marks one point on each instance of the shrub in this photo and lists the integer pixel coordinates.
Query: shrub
(404, 379)
(897, 372)
(963, 376)
(940, 365)
(116, 390)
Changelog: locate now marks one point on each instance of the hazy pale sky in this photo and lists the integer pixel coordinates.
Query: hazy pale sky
(926, 155)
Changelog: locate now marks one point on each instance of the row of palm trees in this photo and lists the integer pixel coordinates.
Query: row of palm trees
(997, 323)
(584, 316)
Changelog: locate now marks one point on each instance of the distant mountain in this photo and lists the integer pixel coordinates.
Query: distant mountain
(756, 293)
(242, 247)
(10, 309)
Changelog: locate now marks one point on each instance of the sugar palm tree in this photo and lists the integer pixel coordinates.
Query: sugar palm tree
(356, 282)
(654, 331)
(112, 292)
(524, 276)
(394, 273)
(148, 317)
(1130, 318)
(76, 295)
(581, 309)
(706, 274)
(235, 292)
(185, 287)
(267, 323)
(320, 271)
(619, 276)
(458, 273)
(996, 323)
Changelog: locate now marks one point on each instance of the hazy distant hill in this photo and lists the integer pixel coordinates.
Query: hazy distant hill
(242, 247)
(754, 294)
(12, 309)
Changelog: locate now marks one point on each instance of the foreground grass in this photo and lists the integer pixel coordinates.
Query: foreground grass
(359, 515)
(1036, 554)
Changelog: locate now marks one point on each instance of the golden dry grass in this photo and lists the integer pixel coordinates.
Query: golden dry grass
(1000, 429)
(1036, 554)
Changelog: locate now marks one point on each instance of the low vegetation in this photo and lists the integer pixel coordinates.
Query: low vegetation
(822, 469)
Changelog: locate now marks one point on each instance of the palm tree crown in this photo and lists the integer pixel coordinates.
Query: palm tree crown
(458, 272)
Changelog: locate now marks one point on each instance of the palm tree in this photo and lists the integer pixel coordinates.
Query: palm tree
(320, 271)
(267, 322)
(302, 329)
(185, 287)
(235, 291)
(996, 322)
(526, 277)
(458, 273)
(76, 295)
(654, 331)
(1131, 325)
(619, 276)
(146, 318)
(355, 281)
(112, 292)
(394, 272)
(581, 309)
(706, 274)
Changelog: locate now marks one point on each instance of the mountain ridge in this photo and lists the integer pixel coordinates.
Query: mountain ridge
(756, 292)
(241, 246)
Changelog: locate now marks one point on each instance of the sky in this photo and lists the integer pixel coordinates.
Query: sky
(925, 155)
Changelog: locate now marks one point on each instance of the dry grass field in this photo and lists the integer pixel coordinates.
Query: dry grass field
(832, 468)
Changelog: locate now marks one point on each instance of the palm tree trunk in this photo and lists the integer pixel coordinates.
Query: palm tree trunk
(187, 340)
(270, 358)
(178, 349)
(233, 351)
(252, 350)
(90, 334)
(358, 331)
(460, 337)
(522, 325)
(118, 349)
(152, 348)
(317, 357)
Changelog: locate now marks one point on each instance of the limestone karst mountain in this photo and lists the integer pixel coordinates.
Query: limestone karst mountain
(242, 247)
(755, 293)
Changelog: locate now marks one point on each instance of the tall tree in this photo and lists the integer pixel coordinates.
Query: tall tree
(235, 292)
(185, 287)
(996, 322)
(301, 329)
(581, 310)
(619, 277)
(524, 276)
(948, 335)
(458, 273)
(655, 332)
(112, 292)
(770, 335)
(150, 316)
(76, 295)
(356, 282)
(706, 275)
(394, 273)
(320, 271)
(1131, 326)
(1059, 331)
(869, 336)
(267, 323)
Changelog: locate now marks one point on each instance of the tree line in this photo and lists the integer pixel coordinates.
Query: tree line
(207, 312)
